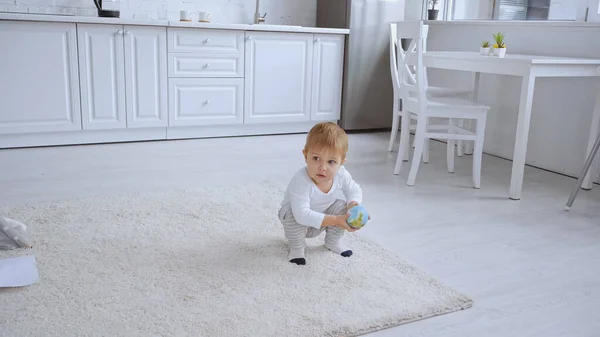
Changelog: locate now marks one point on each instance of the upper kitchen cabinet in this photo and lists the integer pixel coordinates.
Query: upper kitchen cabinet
(123, 76)
(39, 80)
(278, 75)
(327, 77)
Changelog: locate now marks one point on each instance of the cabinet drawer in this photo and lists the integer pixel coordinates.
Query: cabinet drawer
(196, 65)
(205, 101)
(205, 40)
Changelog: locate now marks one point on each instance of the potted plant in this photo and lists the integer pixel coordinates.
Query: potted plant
(433, 12)
(485, 48)
(499, 46)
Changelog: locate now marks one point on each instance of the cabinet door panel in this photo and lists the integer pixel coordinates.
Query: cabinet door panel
(146, 76)
(328, 67)
(102, 78)
(39, 78)
(278, 77)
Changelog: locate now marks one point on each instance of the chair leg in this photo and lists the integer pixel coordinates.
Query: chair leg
(404, 141)
(419, 145)
(426, 151)
(426, 146)
(469, 143)
(459, 143)
(409, 147)
(478, 151)
(395, 123)
(450, 149)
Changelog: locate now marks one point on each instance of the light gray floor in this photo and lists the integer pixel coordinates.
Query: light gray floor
(531, 268)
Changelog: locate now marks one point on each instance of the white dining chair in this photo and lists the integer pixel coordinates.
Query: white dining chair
(395, 49)
(420, 105)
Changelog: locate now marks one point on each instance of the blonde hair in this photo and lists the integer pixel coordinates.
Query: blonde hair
(328, 136)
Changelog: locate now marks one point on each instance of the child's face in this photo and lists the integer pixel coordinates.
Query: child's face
(322, 164)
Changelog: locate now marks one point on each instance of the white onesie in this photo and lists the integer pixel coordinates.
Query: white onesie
(308, 203)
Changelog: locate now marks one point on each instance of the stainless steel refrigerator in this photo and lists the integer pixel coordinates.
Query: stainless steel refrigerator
(367, 89)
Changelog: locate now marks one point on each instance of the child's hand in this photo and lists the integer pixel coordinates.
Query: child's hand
(352, 204)
(343, 224)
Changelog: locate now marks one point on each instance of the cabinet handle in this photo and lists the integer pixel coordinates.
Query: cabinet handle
(318, 39)
(207, 41)
(120, 32)
(206, 102)
(207, 65)
(248, 38)
(127, 32)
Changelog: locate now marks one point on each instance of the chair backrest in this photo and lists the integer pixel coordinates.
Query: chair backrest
(393, 58)
(412, 72)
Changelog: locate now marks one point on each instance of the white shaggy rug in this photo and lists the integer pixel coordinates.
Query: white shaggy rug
(204, 262)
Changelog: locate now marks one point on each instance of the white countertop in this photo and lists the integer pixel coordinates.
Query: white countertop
(167, 23)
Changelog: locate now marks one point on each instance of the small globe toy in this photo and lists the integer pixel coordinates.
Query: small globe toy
(358, 217)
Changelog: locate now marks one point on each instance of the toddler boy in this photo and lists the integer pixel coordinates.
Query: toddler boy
(320, 194)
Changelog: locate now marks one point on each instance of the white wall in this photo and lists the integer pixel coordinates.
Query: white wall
(562, 108)
(473, 9)
(294, 12)
(412, 9)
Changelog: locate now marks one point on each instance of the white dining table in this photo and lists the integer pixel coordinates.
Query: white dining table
(529, 68)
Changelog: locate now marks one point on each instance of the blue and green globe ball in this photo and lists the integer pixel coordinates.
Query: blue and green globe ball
(358, 217)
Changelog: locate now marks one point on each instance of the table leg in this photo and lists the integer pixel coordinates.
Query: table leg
(588, 163)
(469, 123)
(520, 151)
(588, 181)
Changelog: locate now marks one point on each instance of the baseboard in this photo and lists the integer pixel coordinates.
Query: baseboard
(209, 131)
(81, 137)
(147, 134)
(358, 131)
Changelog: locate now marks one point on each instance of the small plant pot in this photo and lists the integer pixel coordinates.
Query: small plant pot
(484, 51)
(432, 14)
(500, 52)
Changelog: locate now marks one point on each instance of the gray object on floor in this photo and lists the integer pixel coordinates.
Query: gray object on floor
(584, 171)
(12, 234)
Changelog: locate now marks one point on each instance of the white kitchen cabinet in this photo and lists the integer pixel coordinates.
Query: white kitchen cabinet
(102, 76)
(278, 73)
(146, 76)
(93, 81)
(328, 67)
(206, 101)
(123, 76)
(39, 80)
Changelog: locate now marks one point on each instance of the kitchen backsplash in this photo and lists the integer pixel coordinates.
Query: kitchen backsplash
(289, 12)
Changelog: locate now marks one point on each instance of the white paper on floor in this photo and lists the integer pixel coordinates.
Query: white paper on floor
(18, 271)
